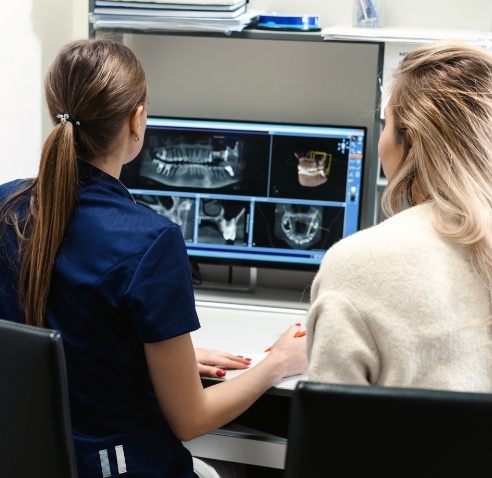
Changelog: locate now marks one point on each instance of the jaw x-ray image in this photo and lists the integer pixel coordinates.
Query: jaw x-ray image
(193, 160)
(245, 192)
(299, 226)
(223, 222)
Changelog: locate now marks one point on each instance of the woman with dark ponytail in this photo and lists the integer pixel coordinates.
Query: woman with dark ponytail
(78, 255)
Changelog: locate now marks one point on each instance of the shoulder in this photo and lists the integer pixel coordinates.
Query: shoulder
(144, 231)
(11, 187)
(389, 246)
(145, 221)
(409, 228)
(108, 206)
(119, 227)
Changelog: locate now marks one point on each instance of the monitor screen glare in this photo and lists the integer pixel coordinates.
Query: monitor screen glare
(252, 193)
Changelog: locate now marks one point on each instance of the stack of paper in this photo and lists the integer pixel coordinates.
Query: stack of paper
(406, 35)
(216, 15)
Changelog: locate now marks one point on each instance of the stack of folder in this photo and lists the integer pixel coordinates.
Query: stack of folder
(223, 15)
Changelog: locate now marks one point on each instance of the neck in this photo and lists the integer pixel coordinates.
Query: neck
(113, 168)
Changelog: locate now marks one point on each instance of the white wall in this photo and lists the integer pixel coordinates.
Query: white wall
(469, 14)
(32, 31)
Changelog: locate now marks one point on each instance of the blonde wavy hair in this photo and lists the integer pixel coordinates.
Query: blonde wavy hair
(441, 99)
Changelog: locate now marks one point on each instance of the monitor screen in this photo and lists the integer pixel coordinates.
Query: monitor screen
(252, 193)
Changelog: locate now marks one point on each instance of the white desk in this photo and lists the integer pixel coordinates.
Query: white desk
(246, 325)
(242, 327)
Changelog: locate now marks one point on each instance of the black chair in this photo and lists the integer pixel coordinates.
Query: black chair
(347, 430)
(35, 432)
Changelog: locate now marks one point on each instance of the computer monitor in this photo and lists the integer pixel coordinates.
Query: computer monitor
(258, 194)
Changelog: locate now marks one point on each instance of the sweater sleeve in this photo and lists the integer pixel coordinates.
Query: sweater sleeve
(341, 348)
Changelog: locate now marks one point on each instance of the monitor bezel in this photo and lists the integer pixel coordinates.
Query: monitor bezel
(256, 262)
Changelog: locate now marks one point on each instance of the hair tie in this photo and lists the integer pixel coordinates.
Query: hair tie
(64, 117)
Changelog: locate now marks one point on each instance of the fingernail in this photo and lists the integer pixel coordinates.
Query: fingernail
(298, 325)
(248, 359)
(220, 373)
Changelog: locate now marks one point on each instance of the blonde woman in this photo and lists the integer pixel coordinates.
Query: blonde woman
(404, 303)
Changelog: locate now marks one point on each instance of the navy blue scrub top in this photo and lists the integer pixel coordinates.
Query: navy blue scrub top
(121, 278)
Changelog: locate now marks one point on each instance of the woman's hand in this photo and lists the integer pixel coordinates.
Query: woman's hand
(290, 351)
(211, 363)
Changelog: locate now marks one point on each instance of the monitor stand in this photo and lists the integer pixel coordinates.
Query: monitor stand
(247, 284)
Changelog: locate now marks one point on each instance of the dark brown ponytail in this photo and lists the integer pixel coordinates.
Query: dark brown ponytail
(92, 88)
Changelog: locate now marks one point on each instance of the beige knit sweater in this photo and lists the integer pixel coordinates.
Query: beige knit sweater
(397, 305)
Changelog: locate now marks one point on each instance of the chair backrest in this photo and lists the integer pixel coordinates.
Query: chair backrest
(387, 432)
(35, 431)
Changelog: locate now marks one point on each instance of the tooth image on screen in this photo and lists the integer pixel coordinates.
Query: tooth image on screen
(195, 160)
(298, 225)
(313, 167)
(221, 221)
(252, 193)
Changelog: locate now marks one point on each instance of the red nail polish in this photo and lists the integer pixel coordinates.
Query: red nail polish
(248, 359)
(220, 373)
(298, 325)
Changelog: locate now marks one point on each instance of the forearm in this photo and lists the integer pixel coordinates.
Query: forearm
(217, 405)
(226, 400)
(191, 410)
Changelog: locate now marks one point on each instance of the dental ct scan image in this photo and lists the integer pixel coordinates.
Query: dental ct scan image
(201, 161)
(309, 168)
(247, 192)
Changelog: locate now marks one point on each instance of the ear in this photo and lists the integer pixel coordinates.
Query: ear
(136, 121)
